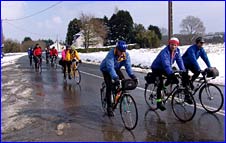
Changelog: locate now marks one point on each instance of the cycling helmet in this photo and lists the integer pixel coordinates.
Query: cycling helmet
(121, 45)
(174, 40)
(73, 47)
(199, 39)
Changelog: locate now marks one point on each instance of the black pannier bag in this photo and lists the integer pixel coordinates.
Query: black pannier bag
(150, 78)
(61, 62)
(212, 72)
(129, 84)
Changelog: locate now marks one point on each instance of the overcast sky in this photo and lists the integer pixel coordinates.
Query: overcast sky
(54, 22)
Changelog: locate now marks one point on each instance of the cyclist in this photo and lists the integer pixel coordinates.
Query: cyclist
(75, 55)
(162, 65)
(67, 57)
(53, 54)
(37, 53)
(110, 68)
(191, 56)
(47, 55)
(30, 55)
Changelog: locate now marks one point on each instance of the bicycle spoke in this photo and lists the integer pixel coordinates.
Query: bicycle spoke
(128, 112)
(211, 98)
(182, 110)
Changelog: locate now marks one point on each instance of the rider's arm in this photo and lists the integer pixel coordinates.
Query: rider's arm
(192, 58)
(128, 66)
(205, 57)
(110, 66)
(165, 59)
(34, 52)
(179, 61)
(56, 53)
(77, 56)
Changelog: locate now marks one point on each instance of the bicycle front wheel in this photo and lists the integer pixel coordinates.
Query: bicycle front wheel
(77, 76)
(211, 98)
(150, 95)
(182, 110)
(128, 111)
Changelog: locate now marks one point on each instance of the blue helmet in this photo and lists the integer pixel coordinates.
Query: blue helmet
(121, 45)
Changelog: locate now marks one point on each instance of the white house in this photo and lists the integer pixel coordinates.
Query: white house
(79, 41)
(58, 46)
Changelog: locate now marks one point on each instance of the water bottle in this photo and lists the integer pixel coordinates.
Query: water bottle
(117, 96)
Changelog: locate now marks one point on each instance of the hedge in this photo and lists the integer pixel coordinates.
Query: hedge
(90, 50)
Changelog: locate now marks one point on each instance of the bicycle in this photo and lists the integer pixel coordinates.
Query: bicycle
(208, 92)
(53, 62)
(128, 108)
(178, 94)
(47, 58)
(75, 72)
(39, 65)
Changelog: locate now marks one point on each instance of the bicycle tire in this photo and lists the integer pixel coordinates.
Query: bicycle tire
(178, 102)
(151, 95)
(125, 105)
(77, 76)
(103, 97)
(218, 97)
(40, 68)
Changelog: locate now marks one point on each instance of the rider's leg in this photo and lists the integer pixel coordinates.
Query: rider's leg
(159, 74)
(40, 57)
(120, 74)
(108, 82)
(69, 69)
(30, 58)
(64, 64)
(194, 71)
(35, 60)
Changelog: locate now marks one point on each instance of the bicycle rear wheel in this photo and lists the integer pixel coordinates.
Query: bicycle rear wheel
(211, 98)
(128, 111)
(39, 66)
(150, 95)
(55, 64)
(103, 97)
(182, 110)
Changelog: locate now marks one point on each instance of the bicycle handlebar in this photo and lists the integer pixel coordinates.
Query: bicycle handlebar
(126, 84)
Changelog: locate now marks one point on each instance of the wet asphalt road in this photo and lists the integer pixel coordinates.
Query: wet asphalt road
(78, 107)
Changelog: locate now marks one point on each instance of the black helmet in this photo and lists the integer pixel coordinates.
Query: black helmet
(199, 39)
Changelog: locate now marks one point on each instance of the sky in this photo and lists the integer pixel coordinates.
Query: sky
(53, 23)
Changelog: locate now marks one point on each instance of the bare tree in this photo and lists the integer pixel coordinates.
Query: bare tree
(164, 31)
(192, 26)
(93, 30)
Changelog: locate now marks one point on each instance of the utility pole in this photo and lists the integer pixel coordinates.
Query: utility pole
(170, 19)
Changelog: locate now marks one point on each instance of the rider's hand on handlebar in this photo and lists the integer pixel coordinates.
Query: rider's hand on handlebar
(134, 78)
(117, 82)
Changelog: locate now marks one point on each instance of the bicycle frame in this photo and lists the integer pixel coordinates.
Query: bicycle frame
(114, 97)
(204, 82)
(171, 93)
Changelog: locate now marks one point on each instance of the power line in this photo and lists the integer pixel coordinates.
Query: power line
(34, 13)
(24, 30)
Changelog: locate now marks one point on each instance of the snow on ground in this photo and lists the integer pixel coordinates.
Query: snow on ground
(11, 58)
(144, 57)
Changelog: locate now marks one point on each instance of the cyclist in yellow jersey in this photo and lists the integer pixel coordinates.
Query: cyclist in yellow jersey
(69, 55)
